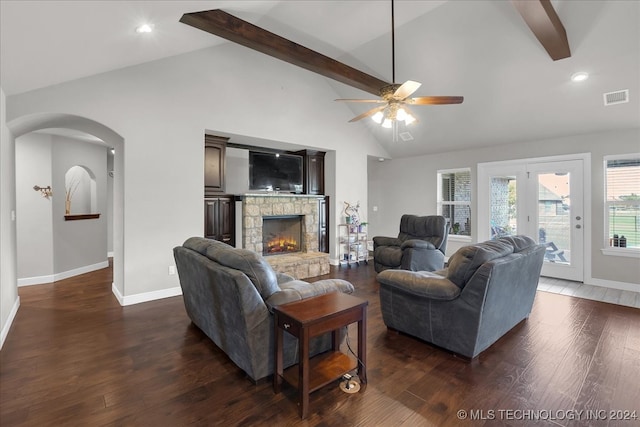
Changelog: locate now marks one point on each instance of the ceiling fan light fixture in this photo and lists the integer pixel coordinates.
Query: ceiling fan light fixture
(409, 119)
(387, 123)
(377, 117)
(401, 115)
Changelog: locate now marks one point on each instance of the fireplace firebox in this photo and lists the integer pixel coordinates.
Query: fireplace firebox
(282, 234)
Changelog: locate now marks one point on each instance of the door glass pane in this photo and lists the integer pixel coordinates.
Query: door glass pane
(554, 216)
(503, 206)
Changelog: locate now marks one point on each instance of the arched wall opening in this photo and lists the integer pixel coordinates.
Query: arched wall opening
(34, 122)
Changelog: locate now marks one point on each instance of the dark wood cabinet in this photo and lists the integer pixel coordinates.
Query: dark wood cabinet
(314, 175)
(313, 171)
(219, 219)
(214, 162)
(323, 224)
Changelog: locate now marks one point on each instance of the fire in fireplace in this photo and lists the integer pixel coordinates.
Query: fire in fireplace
(281, 234)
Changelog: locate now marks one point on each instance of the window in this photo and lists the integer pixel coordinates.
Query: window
(454, 200)
(622, 201)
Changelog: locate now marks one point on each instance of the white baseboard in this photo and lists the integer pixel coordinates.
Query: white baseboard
(39, 280)
(145, 296)
(7, 326)
(110, 254)
(36, 280)
(623, 286)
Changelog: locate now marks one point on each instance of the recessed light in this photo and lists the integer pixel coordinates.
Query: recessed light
(144, 28)
(579, 76)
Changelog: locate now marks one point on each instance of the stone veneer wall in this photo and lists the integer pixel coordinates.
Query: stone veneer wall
(309, 262)
(255, 206)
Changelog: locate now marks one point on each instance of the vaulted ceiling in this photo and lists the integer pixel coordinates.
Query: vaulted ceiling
(482, 50)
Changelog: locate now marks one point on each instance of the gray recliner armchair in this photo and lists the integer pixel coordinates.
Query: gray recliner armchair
(420, 245)
(487, 289)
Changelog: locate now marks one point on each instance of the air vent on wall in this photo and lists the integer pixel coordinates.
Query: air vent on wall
(617, 97)
(406, 136)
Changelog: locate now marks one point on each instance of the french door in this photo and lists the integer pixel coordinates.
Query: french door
(543, 200)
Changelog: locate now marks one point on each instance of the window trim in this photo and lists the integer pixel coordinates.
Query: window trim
(606, 249)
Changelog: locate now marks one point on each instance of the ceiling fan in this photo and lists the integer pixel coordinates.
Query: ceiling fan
(396, 97)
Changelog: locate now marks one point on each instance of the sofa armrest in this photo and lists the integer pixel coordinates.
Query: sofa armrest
(423, 284)
(283, 278)
(386, 241)
(296, 290)
(417, 244)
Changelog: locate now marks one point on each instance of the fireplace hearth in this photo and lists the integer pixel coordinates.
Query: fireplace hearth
(282, 234)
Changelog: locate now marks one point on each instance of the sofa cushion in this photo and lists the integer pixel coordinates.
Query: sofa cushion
(296, 290)
(519, 243)
(420, 283)
(388, 255)
(467, 259)
(250, 263)
(200, 244)
(430, 228)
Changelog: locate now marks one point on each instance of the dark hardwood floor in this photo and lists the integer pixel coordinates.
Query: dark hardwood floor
(74, 356)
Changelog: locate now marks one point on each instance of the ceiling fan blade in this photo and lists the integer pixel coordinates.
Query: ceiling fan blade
(406, 89)
(368, 113)
(246, 34)
(435, 100)
(377, 101)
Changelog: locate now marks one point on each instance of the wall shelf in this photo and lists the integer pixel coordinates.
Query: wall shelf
(81, 216)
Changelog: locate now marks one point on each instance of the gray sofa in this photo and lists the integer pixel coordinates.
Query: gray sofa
(487, 289)
(420, 245)
(229, 294)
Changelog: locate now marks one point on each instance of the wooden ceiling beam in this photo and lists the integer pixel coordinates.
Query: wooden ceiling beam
(229, 27)
(543, 20)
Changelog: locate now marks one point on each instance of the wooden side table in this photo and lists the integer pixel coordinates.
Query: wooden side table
(311, 317)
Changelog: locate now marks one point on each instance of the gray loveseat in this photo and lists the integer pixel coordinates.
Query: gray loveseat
(487, 289)
(229, 294)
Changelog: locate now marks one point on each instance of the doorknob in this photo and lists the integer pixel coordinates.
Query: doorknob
(578, 226)
(578, 217)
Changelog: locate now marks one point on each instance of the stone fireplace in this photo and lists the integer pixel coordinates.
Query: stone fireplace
(307, 261)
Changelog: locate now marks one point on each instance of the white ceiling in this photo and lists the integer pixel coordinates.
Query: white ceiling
(481, 50)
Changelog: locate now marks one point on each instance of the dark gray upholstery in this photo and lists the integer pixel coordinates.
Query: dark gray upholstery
(487, 289)
(230, 293)
(420, 245)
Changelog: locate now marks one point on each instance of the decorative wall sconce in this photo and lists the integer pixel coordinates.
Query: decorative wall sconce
(46, 191)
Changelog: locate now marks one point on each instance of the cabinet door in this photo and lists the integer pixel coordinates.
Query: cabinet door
(315, 174)
(214, 160)
(211, 220)
(226, 217)
(323, 225)
(219, 219)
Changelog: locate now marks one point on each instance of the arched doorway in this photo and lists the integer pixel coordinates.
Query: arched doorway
(33, 122)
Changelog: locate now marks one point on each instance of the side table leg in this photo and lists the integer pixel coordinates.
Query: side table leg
(303, 373)
(277, 372)
(362, 346)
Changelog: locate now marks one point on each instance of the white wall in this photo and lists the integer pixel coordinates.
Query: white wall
(162, 110)
(82, 243)
(9, 299)
(237, 171)
(409, 185)
(34, 212)
(64, 248)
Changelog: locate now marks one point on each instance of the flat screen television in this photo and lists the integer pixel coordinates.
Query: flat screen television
(275, 172)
